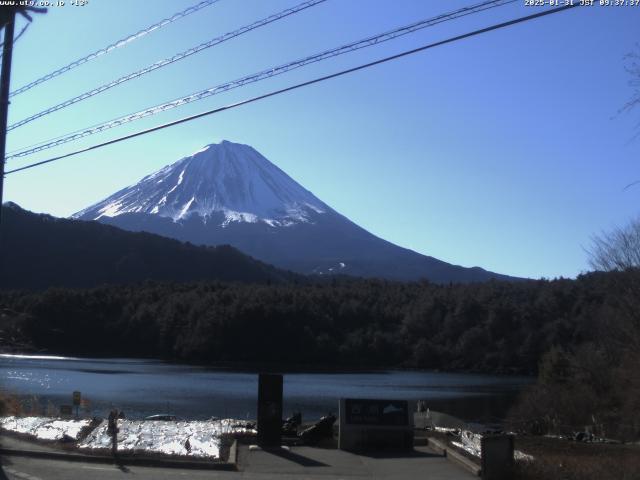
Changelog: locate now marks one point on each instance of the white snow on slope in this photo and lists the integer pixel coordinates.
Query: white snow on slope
(472, 443)
(167, 437)
(227, 178)
(44, 428)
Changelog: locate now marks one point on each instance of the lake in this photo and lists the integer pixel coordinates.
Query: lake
(143, 387)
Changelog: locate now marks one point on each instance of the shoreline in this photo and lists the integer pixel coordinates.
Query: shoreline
(257, 367)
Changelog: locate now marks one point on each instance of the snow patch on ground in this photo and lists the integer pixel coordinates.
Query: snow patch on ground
(231, 216)
(204, 149)
(167, 437)
(202, 439)
(471, 443)
(185, 207)
(522, 457)
(110, 210)
(314, 208)
(44, 428)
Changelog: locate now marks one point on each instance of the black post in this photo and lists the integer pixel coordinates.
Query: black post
(5, 80)
(496, 457)
(112, 430)
(269, 410)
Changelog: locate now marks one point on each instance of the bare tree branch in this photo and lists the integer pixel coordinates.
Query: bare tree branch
(618, 249)
(632, 67)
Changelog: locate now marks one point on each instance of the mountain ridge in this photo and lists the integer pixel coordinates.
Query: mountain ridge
(228, 193)
(41, 251)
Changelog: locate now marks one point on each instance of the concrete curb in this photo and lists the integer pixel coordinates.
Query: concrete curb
(464, 462)
(126, 460)
(437, 446)
(455, 457)
(233, 454)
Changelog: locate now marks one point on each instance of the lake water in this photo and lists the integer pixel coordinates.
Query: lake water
(146, 387)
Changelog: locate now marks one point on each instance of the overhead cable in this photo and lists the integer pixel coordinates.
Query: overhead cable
(168, 61)
(262, 75)
(297, 86)
(120, 43)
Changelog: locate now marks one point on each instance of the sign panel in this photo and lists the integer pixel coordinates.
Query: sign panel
(76, 398)
(377, 412)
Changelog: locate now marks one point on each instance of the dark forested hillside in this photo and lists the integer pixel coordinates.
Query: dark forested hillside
(493, 327)
(41, 251)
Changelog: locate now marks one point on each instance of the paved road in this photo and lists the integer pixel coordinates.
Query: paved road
(296, 463)
(23, 468)
(318, 463)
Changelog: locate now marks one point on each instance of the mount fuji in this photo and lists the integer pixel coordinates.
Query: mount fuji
(228, 193)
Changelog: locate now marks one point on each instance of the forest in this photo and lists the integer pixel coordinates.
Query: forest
(490, 327)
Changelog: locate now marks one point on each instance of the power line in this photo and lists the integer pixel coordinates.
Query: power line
(120, 43)
(24, 29)
(168, 61)
(299, 85)
(264, 74)
(270, 72)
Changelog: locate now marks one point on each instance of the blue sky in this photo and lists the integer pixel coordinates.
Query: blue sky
(504, 151)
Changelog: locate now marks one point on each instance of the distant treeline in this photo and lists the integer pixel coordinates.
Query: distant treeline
(488, 327)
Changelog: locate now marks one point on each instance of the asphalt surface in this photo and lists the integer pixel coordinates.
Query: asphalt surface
(318, 463)
(23, 468)
(296, 463)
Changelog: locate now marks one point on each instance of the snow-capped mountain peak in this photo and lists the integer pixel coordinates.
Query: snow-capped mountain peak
(225, 178)
(229, 194)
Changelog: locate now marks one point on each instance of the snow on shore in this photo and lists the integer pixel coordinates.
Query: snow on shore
(167, 437)
(44, 428)
(471, 443)
(202, 439)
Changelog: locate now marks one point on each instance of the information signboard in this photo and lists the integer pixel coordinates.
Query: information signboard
(377, 412)
(375, 424)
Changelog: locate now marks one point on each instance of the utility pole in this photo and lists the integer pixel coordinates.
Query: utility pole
(5, 80)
